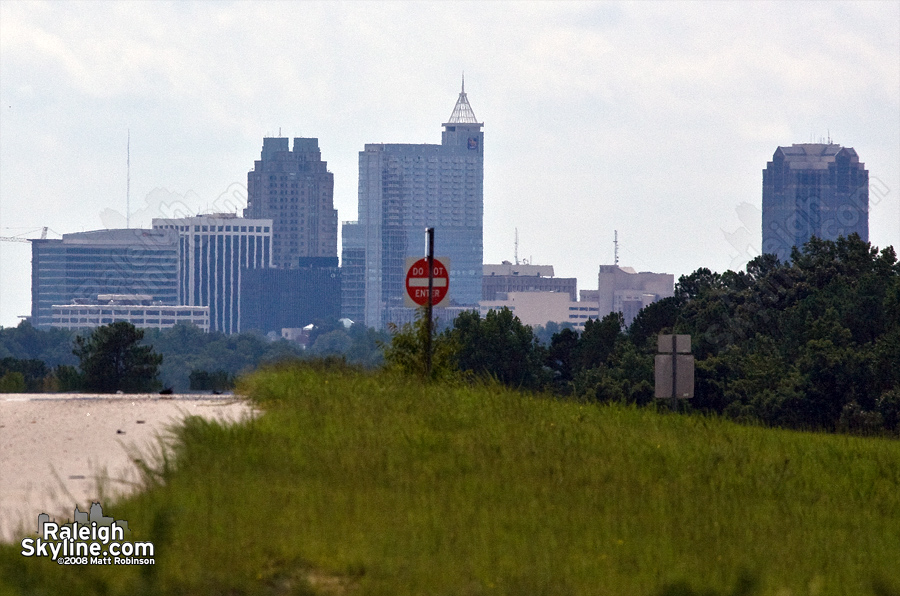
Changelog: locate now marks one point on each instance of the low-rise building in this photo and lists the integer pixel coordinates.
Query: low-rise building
(540, 308)
(624, 290)
(138, 309)
(507, 277)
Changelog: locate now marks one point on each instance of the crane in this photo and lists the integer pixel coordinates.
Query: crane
(17, 239)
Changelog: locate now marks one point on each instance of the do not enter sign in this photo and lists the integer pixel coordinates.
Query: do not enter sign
(417, 281)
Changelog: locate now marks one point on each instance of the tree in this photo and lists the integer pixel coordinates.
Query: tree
(598, 340)
(112, 359)
(218, 380)
(406, 351)
(561, 358)
(500, 346)
(32, 372)
(12, 382)
(652, 320)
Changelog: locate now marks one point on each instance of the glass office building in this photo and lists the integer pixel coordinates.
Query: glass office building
(82, 265)
(813, 189)
(406, 188)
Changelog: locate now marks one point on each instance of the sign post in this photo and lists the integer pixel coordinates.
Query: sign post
(429, 254)
(428, 285)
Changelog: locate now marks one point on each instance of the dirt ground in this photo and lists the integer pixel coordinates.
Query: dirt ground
(59, 450)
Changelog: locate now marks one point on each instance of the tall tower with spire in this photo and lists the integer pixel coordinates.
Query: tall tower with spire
(403, 189)
(463, 128)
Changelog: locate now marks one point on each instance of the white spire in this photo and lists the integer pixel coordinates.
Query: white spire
(462, 111)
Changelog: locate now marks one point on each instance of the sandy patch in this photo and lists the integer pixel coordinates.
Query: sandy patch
(55, 448)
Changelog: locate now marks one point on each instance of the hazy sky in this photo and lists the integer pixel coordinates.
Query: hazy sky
(653, 119)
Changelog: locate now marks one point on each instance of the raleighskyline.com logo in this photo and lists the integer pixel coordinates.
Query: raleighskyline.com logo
(93, 539)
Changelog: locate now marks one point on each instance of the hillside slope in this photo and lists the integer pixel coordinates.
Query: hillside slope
(374, 484)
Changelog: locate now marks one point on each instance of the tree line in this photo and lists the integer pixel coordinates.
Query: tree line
(809, 344)
(182, 358)
(813, 343)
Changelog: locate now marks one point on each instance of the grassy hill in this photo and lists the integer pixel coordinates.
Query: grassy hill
(373, 484)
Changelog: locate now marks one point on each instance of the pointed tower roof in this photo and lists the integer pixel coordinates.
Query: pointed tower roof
(462, 111)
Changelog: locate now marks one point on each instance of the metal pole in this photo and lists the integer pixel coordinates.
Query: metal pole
(674, 375)
(429, 245)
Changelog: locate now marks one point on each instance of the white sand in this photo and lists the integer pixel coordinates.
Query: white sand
(56, 449)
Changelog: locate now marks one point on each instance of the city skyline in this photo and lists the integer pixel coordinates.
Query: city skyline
(655, 120)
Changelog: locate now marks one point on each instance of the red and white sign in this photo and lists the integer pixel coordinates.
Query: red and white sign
(417, 281)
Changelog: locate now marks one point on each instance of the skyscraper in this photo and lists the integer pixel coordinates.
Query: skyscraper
(274, 299)
(814, 189)
(405, 188)
(214, 252)
(85, 264)
(353, 272)
(295, 190)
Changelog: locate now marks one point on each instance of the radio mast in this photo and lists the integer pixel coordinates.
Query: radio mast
(616, 245)
(128, 182)
(516, 252)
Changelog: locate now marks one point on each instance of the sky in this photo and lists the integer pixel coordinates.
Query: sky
(652, 120)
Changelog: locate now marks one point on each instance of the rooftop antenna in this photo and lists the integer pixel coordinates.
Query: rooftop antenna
(128, 181)
(516, 253)
(616, 247)
(464, 81)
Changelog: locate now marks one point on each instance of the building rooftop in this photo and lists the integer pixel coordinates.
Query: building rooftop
(813, 156)
(122, 236)
(507, 268)
(462, 111)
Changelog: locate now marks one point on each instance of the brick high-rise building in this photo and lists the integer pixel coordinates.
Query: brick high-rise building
(813, 189)
(295, 190)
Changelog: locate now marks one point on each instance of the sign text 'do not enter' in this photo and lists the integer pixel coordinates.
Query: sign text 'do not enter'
(417, 281)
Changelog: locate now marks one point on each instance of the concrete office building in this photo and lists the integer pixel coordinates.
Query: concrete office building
(139, 310)
(404, 189)
(295, 190)
(813, 189)
(624, 290)
(507, 277)
(83, 265)
(542, 307)
(213, 252)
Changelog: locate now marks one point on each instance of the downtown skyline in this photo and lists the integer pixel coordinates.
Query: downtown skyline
(654, 120)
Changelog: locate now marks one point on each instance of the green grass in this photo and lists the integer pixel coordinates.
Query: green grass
(373, 484)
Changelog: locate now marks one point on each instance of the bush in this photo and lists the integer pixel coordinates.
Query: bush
(12, 382)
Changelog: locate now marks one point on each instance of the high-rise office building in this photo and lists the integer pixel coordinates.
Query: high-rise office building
(406, 188)
(82, 265)
(295, 190)
(214, 252)
(275, 299)
(353, 272)
(814, 189)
